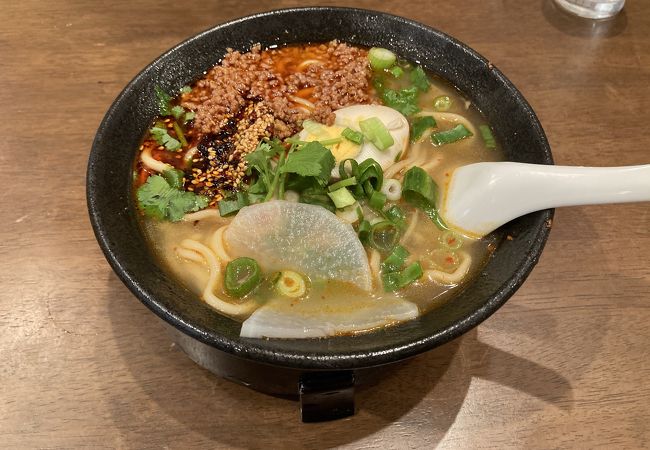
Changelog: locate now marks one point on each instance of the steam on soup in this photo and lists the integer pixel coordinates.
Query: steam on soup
(295, 189)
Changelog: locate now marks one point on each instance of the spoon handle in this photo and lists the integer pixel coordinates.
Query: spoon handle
(483, 196)
(555, 186)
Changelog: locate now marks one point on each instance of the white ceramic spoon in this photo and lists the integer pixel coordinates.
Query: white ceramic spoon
(481, 197)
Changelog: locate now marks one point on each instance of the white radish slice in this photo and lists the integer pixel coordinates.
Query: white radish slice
(308, 239)
(318, 317)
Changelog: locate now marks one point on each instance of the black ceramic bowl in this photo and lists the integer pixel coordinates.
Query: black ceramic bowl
(115, 221)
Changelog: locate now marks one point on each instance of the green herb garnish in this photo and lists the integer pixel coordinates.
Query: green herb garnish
(421, 191)
(393, 281)
(352, 136)
(449, 136)
(188, 116)
(177, 111)
(487, 136)
(342, 198)
(396, 71)
(161, 136)
(395, 261)
(442, 103)
(420, 125)
(163, 99)
(419, 79)
(161, 198)
(405, 100)
(242, 276)
(376, 132)
(232, 205)
(311, 160)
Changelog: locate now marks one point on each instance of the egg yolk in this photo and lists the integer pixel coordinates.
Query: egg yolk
(342, 150)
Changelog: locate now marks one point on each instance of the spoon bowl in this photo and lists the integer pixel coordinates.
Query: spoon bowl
(481, 197)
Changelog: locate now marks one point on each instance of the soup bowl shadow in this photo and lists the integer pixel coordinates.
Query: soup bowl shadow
(437, 382)
(198, 328)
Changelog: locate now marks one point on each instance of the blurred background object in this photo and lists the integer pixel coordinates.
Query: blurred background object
(592, 9)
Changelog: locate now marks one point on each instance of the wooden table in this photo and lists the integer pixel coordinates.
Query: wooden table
(83, 364)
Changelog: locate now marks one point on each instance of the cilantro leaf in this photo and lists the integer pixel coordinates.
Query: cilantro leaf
(312, 160)
(163, 99)
(177, 111)
(404, 100)
(188, 116)
(161, 201)
(161, 136)
(420, 79)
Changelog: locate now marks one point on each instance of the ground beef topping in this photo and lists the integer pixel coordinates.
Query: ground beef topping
(295, 83)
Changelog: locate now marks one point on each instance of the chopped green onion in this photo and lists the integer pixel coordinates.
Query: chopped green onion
(341, 184)
(174, 178)
(186, 90)
(242, 276)
(342, 198)
(332, 141)
(396, 215)
(393, 189)
(390, 280)
(451, 240)
(352, 136)
(420, 125)
(364, 231)
(442, 103)
(359, 210)
(487, 136)
(370, 176)
(230, 206)
(412, 273)
(290, 284)
(343, 173)
(448, 136)
(396, 71)
(398, 156)
(377, 200)
(383, 236)
(397, 280)
(421, 191)
(395, 261)
(376, 132)
(381, 58)
(179, 134)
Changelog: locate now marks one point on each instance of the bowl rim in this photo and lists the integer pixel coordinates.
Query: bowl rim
(320, 361)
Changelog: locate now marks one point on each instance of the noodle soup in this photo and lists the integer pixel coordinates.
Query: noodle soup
(295, 189)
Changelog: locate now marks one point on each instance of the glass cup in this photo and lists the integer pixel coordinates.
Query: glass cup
(592, 9)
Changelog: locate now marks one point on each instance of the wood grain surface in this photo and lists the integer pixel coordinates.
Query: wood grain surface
(563, 364)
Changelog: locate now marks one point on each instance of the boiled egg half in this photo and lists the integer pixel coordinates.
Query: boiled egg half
(350, 117)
